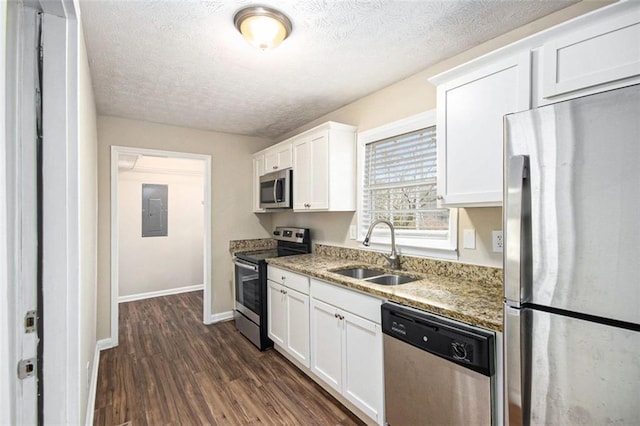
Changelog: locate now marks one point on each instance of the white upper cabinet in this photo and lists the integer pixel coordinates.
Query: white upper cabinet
(324, 169)
(258, 170)
(590, 55)
(469, 128)
(277, 157)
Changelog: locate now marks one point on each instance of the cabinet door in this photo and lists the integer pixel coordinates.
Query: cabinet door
(285, 159)
(258, 170)
(276, 313)
(301, 173)
(470, 137)
(319, 179)
(298, 325)
(278, 157)
(271, 161)
(598, 54)
(326, 344)
(362, 365)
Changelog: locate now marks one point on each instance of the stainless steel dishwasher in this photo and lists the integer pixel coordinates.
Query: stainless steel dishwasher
(436, 371)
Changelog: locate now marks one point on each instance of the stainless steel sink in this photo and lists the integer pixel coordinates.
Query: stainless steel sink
(375, 276)
(391, 279)
(358, 273)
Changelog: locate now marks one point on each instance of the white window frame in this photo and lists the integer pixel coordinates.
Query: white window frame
(381, 239)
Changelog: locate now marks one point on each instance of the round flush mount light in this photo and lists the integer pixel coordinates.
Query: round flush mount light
(262, 26)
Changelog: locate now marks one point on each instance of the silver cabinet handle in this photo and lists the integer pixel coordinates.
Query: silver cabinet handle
(439, 197)
(275, 167)
(336, 315)
(283, 278)
(518, 170)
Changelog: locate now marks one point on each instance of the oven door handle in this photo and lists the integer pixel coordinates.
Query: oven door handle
(246, 266)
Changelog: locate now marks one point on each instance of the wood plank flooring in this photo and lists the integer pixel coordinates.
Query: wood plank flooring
(170, 369)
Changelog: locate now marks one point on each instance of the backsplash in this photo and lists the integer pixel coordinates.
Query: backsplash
(480, 274)
(236, 246)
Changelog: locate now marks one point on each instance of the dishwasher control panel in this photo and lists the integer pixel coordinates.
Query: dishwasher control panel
(457, 342)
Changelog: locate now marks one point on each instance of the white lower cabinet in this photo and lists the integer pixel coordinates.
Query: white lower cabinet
(362, 364)
(276, 313)
(346, 349)
(288, 315)
(326, 335)
(298, 325)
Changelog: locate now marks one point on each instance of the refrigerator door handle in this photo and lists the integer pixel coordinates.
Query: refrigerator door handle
(516, 365)
(518, 169)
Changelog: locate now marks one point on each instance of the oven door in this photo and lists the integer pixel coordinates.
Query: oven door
(248, 299)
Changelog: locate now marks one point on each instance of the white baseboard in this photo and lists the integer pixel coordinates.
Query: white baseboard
(93, 384)
(159, 293)
(103, 344)
(222, 316)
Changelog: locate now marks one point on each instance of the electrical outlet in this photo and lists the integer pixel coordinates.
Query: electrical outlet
(353, 232)
(498, 242)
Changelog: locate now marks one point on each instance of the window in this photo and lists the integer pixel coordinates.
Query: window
(398, 176)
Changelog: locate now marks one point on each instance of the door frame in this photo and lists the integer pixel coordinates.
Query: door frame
(61, 281)
(115, 153)
(6, 386)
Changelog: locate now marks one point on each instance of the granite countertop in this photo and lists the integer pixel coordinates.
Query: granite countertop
(476, 303)
(240, 246)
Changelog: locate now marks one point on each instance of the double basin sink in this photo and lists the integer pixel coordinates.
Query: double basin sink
(374, 276)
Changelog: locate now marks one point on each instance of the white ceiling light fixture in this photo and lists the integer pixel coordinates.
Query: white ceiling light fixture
(262, 26)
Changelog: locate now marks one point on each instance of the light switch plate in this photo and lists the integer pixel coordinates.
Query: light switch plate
(353, 232)
(469, 239)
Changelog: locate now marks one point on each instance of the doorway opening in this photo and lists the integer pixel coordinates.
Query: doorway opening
(160, 227)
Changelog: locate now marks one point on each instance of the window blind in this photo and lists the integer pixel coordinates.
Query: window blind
(400, 183)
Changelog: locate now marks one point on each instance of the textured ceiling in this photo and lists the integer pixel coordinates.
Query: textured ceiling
(183, 62)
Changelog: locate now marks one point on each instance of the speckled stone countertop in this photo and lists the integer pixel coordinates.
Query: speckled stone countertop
(472, 301)
(237, 246)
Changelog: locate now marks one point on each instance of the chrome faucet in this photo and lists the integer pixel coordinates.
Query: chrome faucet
(393, 258)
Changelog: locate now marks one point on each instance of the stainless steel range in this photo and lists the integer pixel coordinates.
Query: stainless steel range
(251, 282)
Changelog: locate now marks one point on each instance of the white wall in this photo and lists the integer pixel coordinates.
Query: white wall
(153, 264)
(88, 215)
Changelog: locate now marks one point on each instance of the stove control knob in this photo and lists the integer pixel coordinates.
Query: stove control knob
(276, 232)
(300, 235)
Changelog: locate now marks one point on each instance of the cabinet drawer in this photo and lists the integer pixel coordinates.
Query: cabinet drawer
(348, 300)
(289, 279)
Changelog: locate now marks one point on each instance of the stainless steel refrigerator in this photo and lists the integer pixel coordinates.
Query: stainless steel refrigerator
(572, 262)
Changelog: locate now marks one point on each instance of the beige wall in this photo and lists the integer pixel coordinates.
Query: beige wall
(412, 96)
(160, 263)
(231, 215)
(88, 202)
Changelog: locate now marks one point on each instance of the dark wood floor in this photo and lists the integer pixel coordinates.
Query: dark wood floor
(170, 369)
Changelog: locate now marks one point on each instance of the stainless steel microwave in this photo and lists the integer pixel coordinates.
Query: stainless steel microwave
(275, 190)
